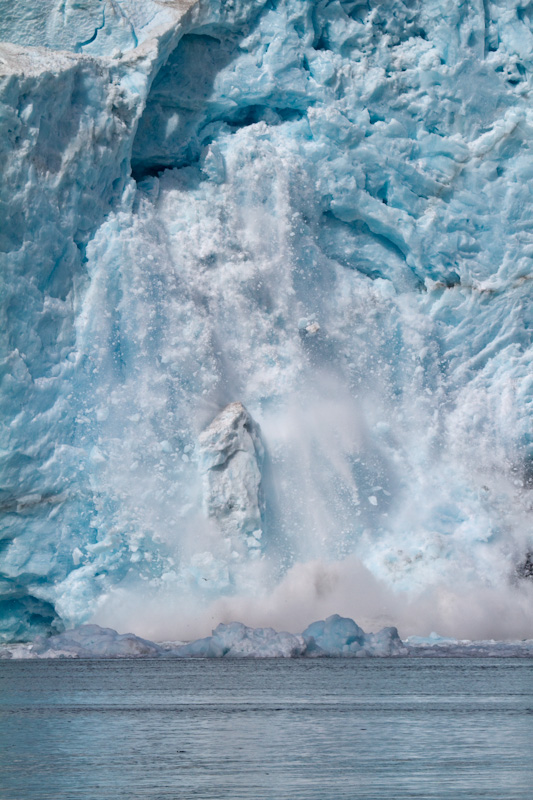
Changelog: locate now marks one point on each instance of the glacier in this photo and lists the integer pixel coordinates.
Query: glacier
(266, 315)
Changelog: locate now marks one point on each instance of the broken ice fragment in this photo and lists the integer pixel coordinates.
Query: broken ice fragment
(308, 327)
(232, 456)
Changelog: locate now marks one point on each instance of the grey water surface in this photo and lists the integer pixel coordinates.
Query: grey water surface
(266, 729)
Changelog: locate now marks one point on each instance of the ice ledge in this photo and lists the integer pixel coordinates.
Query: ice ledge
(337, 637)
(15, 59)
(94, 28)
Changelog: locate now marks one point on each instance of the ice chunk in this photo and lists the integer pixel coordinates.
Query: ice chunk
(92, 641)
(232, 456)
(237, 641)
(309, 327)
(341, 636)
(334, 637)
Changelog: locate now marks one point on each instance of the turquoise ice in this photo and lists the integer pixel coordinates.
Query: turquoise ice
(317, 212)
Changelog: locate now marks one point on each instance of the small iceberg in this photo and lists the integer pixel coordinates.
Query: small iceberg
(334, 637)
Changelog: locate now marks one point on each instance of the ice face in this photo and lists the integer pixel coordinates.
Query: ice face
(93, 27)
(327, 227)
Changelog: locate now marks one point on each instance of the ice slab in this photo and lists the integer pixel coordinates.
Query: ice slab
(94, 27)
(231, 457)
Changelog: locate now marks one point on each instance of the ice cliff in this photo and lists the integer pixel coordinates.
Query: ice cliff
(266, 317)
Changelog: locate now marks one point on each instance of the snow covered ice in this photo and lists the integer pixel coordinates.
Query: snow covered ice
(267, 322)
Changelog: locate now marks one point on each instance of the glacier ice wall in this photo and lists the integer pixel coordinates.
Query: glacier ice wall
(319, 211)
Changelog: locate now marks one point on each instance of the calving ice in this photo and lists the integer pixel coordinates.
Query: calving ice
(266, 338)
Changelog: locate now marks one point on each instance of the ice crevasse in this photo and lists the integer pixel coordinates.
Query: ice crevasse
(266, 315)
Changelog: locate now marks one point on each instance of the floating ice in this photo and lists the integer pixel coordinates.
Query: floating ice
(237, 640)
(320, 211)
(434, 646)
(335, 637)
(338, 636)
(92, 641)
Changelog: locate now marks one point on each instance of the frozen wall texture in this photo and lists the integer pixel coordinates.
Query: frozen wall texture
(266, 316)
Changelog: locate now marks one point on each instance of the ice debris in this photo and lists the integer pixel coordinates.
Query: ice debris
(341, 636)
(309, 327)
(232, 456)
(237, 640)
(434, 646)
(335, 637)
(92, 641)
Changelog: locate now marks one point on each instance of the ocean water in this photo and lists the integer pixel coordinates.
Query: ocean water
(266, 729)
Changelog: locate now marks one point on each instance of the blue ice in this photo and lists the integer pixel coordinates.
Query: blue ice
(318, 213)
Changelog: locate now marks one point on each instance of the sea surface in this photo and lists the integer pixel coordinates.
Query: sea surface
(329, 729)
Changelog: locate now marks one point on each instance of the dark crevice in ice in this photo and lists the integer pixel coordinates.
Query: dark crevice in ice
(19, 614)
(184, 113)
(81, 45)
(525, 568)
